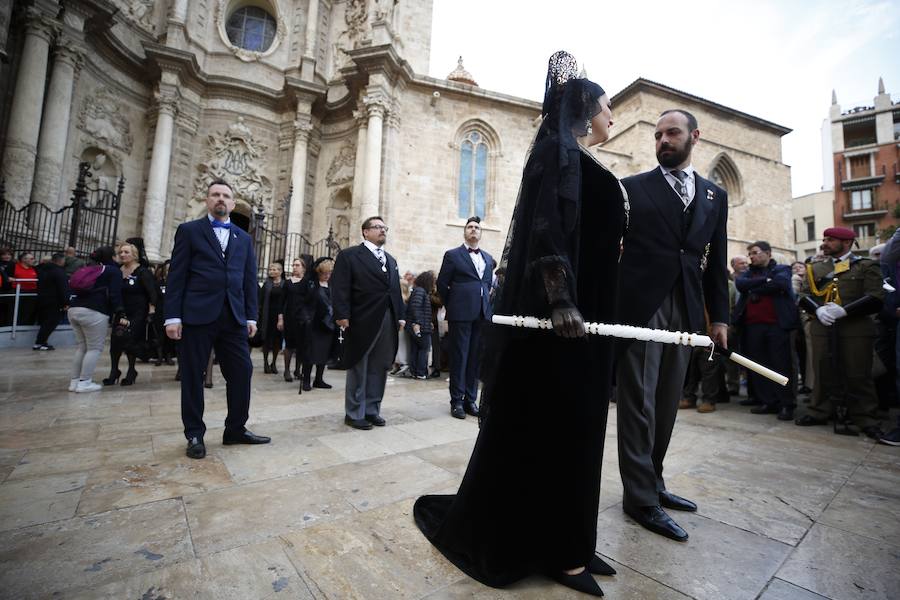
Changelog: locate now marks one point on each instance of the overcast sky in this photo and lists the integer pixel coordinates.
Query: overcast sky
(776, 60)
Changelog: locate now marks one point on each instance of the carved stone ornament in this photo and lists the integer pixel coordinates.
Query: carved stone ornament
(356, 17)
(236, 157)
(138, 12)
(342, 166)
(245, 55)
(102, 118)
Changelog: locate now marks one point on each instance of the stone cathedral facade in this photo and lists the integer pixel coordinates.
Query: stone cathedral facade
(319, 113)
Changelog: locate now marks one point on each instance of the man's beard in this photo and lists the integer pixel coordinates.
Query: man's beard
(675, 157)
(220, 210)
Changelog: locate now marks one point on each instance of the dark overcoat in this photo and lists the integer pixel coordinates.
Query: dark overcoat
(361, 292)
(658, 251)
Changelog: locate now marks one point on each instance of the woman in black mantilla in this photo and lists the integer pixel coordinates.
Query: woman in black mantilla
(529, 499)
(320, 330)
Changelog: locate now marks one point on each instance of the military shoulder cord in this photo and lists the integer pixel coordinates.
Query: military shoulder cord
(830, 292)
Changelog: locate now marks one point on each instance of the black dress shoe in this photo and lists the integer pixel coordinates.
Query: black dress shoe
(376, 420)
(874, 432)
(457, 411)
(786, 414)
(306, 387)
(322, 385)
(247, 437)
(656, 520)
(583, 582)
(598, 566)
(434, 374)
(804, 390)
(357, 423)
(471, 409)
(196, 448)
(670, 500)
(750, 402)
(809, 420)
(764, 409)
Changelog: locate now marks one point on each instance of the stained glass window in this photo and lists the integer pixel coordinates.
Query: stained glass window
(251, 28)
(473, 175)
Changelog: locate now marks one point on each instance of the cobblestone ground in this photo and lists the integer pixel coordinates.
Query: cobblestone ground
(97, 499)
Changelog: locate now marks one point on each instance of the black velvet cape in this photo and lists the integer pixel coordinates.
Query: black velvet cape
(528, 501)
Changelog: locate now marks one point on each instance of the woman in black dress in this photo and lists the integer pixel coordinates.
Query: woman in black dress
(271, 299)
(418, 323)
(139, 299)
(528, 501)
(320, 331)
(294, 316)
(165, 347)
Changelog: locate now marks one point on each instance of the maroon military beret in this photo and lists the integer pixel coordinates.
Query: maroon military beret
(840, 233)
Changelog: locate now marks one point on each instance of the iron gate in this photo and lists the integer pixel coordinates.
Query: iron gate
(271, 242)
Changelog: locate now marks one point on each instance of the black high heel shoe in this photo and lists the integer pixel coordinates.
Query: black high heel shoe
(287, 376)
(113, 378)
(598, 566)
(583, 582)
(129, 378)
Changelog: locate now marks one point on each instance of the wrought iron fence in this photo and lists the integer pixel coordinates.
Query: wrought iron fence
(91, 220)
(271, 242)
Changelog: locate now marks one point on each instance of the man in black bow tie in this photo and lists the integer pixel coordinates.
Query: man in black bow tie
(211, 302)
(464, 284)
(672, 264)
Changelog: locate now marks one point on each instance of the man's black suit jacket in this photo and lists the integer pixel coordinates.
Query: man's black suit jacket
(657, 252)
(362, 292)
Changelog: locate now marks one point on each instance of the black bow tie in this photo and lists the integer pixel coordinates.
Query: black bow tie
(474, 251)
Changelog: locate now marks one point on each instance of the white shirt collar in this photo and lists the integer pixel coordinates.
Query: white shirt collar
(372, 246)
(844, 257)
(689, 170)
(472, 247)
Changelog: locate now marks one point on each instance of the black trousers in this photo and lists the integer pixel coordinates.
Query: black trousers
(48, 317)
(229, 339)
(465, 336)
(770, 346)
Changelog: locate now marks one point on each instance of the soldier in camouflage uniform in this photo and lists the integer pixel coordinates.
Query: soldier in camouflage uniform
(842, 292)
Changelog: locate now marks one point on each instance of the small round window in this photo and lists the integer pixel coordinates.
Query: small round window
(251, 28)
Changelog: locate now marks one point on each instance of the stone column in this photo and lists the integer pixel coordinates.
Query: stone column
(376, 107)
(302, 128)
(359, 168)
(51, 150)
(175, 24)
(308, 62)
(158, 178)
(27, 104)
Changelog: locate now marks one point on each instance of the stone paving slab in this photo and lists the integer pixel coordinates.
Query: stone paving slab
(97, 499)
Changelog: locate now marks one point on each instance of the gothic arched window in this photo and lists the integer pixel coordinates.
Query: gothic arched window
(251, 28)
(726, 175)
(473, 175)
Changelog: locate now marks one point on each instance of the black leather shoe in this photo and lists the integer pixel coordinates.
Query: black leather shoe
(804, 390)
(656, 520)
(670, 500)
(357, 423)
(457, 411)
(471, 409)
(583, 582)
(750, 402)
(434, 374)
(764, 409)
(196, 448)
(598, 566)
(874, 432)
(786, 414)
(376, 420)
(247, 437)
(306, 387)
(809, 420)
(321, 385)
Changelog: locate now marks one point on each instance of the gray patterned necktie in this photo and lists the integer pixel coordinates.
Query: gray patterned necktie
(681, 187)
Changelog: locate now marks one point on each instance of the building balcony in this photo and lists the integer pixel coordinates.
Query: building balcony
(862, 183)
(877, 210)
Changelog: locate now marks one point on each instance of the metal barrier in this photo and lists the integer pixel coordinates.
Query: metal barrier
(17, 295)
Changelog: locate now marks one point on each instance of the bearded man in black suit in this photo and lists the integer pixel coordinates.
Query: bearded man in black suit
(674, 258)
(365, 294)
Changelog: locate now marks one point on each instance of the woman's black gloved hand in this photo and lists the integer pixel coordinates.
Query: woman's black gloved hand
(567, 322)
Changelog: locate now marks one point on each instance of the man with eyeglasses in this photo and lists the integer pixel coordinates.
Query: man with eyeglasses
(365, 292)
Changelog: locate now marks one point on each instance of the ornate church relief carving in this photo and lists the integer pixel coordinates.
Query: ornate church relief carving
(139, 12)
(101, 118)
(356, 16)
(343, 164)
(235, 156)
(384, 10)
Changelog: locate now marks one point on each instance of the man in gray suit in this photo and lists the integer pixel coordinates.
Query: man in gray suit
(673, 260)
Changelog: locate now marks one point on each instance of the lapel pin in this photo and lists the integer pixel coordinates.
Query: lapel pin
(710, 195)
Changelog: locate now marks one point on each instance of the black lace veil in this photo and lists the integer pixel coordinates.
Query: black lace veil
(539, 260)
